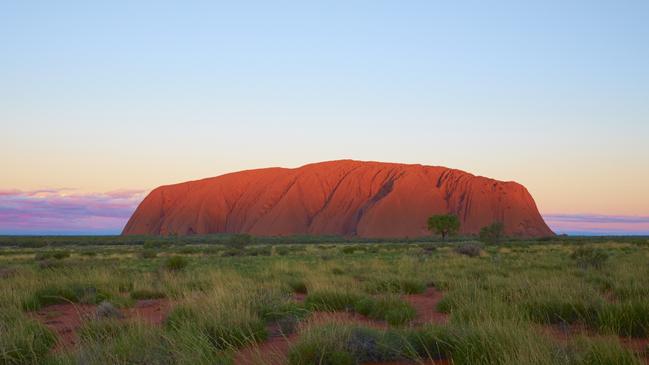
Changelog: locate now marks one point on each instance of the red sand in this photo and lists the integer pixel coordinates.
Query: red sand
(346, 198)
(65, 319)
(565, 332)
(425, 304)
(275, 349)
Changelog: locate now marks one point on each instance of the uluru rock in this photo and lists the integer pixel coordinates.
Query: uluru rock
(345, 198)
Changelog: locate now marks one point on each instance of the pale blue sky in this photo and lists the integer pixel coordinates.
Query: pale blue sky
(135, 94)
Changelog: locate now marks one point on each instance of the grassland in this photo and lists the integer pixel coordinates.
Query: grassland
(323, 301)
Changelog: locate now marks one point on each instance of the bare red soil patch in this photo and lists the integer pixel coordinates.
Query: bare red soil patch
(426, 306)
(299, 297)
(273, 351)
(65, 319)
(565, 332)
(152, 311)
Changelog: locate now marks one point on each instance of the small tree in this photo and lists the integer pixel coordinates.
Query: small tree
(444, 224)
(492, 233)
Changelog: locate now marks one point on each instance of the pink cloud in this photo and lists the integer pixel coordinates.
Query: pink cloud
(66, 211)
(598, 224)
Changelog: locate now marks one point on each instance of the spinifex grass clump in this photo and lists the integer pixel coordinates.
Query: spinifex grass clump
(344, 344)
(396, 285)
(587, 256)
(331, 300)
(23, 340)
(75, 293)
(629, 319)
(563, 311)
(176, 263)
(118, 342)
(227, 322)
(389, 308)
(601, 351)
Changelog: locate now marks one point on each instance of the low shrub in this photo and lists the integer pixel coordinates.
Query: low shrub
(282, 251)
(587, 257)
(298, 286)
(56, 255)
(233, 252)
(106, 310)
(148, 254)
(258, 251)
(468, 249)
(176, 263)
(492, 233)
(8, 272)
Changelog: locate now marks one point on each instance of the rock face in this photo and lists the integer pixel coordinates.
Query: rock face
(346, 198)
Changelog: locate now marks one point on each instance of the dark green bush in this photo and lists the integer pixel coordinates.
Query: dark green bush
(492, 233)
(298, 286)
(282, 251)
(175, 263)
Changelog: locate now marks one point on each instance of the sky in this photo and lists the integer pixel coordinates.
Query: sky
(100, 102)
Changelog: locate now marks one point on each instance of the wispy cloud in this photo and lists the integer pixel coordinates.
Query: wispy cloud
(69, 211)
(598, 224)
(66, 211)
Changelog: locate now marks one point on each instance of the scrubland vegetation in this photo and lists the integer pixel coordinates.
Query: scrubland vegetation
(221, 299)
